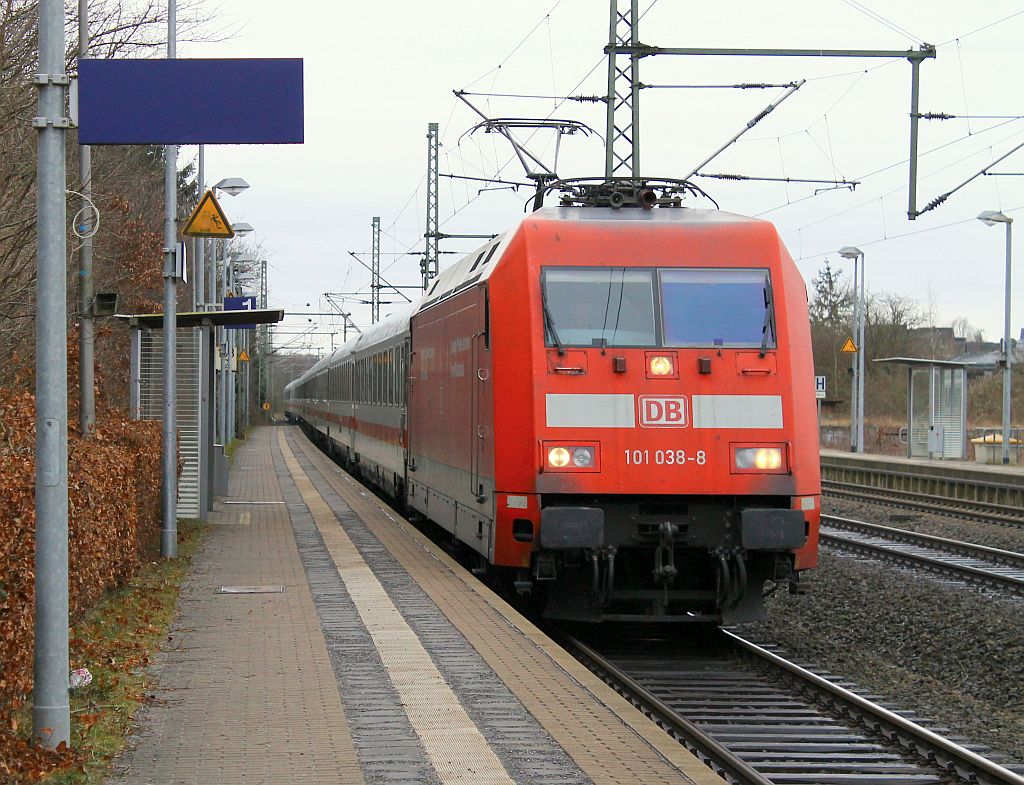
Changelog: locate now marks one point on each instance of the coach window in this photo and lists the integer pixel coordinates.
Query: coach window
(717, 307)
(376, 378)
(608, 306)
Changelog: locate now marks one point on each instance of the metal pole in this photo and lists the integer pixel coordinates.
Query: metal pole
(232, 355)
(609, 126)
(86, 334)
(375, 271)
(915, 94)
(854, 363)
(169, 449)
(634, 86)
(200, 272)
(1007, 354)
(248, 390)
(430, 266)
(222, 413)
(51, 717)
(861, 351)
(212, 276)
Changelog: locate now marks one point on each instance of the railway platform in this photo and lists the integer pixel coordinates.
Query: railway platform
(977, 482)
(321, 638)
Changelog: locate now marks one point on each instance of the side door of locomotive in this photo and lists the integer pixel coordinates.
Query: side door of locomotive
(482, 462)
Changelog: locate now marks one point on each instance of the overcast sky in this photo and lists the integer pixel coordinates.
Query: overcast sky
(377, 73)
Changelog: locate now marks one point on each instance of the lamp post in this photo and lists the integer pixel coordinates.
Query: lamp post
(991, 218)
(232, 186)
(236, 263)
(244, 281)
(860, 308)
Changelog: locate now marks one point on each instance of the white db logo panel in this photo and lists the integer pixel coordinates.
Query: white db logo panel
(661, 411)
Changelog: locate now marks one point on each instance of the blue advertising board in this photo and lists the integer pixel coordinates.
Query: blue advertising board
(195, 101)
(240, 304)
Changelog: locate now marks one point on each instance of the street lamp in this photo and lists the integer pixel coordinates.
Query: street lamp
(991, 218)
(860, 308)
(232, 186)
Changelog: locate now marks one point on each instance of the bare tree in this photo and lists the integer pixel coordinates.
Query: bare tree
(126, 180)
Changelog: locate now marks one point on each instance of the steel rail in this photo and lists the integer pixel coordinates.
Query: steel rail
(958, 547)
(968, 765)
(985, 511)
(937, 566)
(716, 755)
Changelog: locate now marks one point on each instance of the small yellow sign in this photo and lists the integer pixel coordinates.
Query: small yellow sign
(243, 356)
(266, 406)
(208, 220)
(849, 347)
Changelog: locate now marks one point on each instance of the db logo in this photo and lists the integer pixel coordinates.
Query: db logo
(662, 412)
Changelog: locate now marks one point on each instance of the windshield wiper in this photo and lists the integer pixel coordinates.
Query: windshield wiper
(769, 317)
(549, 323)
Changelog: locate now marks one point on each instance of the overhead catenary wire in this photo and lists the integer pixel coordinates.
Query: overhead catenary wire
(878, 240)
(499, 166)
(883, 21)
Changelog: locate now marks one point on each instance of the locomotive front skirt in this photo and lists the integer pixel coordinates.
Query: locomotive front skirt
(610, 410)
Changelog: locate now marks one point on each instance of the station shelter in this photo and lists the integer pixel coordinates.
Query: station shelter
(936, 407)
(203, 463)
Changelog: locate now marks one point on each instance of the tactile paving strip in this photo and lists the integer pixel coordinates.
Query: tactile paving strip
(387, 747)
(526, 749)
(454, 745)
(607, 737)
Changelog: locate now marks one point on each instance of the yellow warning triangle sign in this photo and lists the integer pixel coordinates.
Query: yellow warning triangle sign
(208, 220)
(243, 356)
(849, 347)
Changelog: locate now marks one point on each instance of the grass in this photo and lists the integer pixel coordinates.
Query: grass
(116, 641)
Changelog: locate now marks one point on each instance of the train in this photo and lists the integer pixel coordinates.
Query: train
(609, 407)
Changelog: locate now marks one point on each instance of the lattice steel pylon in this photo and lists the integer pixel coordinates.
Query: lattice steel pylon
(622, 130)
(375, 273)
(429, 266)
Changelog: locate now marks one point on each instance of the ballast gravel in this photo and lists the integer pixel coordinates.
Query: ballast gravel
(950, 653)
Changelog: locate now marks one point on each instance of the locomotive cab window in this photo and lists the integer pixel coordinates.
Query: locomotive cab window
(717, 307)
(608, 306)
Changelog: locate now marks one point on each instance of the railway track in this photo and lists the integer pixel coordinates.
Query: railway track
(988, 512)
(977, 564)
(758, 719)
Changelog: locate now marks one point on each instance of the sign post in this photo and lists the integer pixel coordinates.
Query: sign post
(51, 713)
(849, 347)
(820, 386)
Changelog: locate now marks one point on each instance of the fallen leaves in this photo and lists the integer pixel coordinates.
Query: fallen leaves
(114, 513)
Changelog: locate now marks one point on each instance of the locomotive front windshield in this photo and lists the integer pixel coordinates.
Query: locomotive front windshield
(623, 306)
(706, 307)
(610, 306)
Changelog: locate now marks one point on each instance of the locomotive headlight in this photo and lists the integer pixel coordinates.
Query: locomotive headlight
(661, 365)
(558, 457)
(583, 457)
(571, 457)
(758, 459)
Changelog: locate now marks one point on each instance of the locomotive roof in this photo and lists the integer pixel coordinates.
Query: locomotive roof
(477, 265)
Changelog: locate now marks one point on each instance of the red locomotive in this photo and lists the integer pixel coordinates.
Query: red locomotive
(612, 406)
